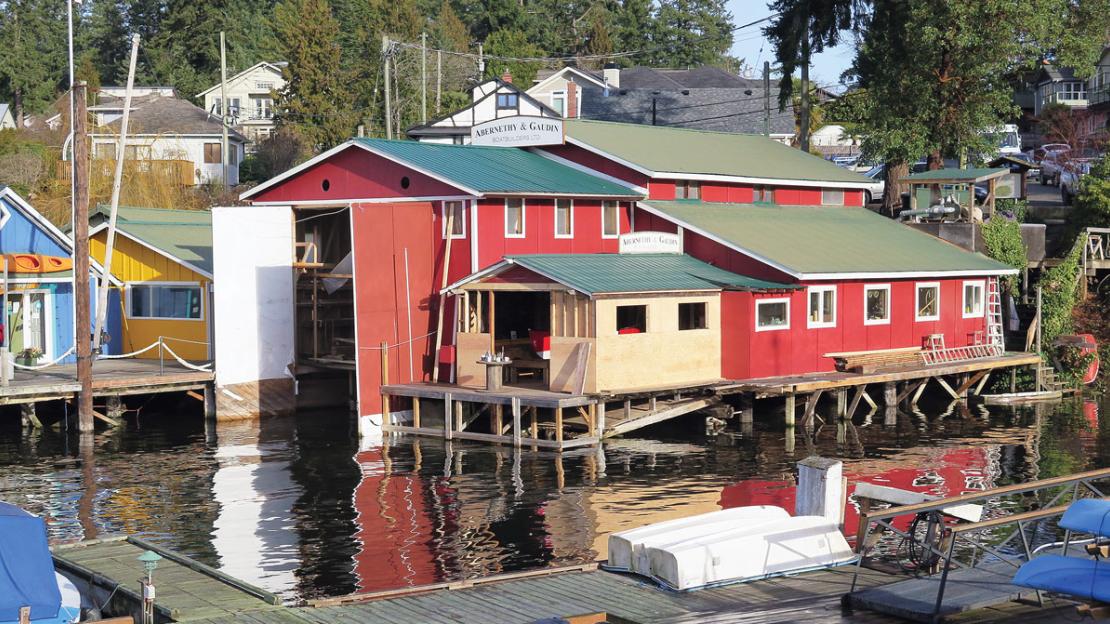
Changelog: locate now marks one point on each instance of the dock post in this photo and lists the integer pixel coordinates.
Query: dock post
(460, 424)
(820, 488)
(210, 401)
(447, 404)
(385, 381)
(559, 426)
(747, 414)
(790, 410)
(497, 416)
(29, 417)
(600, 419)
(114, 407)
(516, 421)
(416, 412)
(890, 394)
(842, 403)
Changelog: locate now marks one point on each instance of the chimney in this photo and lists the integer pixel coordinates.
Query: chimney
(507, 77)
(572, 100)
(612, 75)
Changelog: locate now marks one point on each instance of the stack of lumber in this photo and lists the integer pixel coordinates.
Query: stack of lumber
(877, 361)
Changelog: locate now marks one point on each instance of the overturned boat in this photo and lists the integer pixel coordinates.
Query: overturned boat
(730, 546)
(30, 589)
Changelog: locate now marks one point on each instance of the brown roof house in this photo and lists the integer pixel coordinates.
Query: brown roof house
(169, 132)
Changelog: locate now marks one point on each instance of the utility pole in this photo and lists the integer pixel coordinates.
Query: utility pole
(81, 258)
(117, 181)
(223, 109)
(424, 77)
(439, 78)
(481, 63)
(804, 125)
(388, 111)
(766, 98)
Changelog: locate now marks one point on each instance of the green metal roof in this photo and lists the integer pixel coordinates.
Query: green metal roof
(682, 150)
(957, 175)
(498, 170)
(809, 241)
(184, 234)
(629, 273)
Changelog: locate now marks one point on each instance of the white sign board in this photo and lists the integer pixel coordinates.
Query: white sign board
(518, 131)
(650, 243)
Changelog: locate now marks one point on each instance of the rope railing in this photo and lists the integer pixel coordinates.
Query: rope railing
(42, 366)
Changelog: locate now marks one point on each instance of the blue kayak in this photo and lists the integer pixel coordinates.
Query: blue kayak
(1089, 515)
(1072, 576)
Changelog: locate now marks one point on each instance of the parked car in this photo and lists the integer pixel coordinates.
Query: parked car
(1070, 175)
(1051, 165)
(846, 161)
(1042, 151)
(874, 191)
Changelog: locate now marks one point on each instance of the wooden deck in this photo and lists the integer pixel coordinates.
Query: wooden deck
(967, 589)
(186, 589)
(110, 378)
(803, 384)
(810, 598)
(525, 394)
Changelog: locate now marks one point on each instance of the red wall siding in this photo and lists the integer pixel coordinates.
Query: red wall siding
(598, 163)
(382, 233)
(355, 173)
(799, 349)
(744, 193)
(539, 229)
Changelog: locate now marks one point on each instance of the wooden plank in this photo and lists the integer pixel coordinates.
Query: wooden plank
(667, 413)
(947, 388)
(971, 381)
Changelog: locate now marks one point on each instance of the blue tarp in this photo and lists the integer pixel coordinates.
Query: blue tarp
(26, 568)
(1090, 515)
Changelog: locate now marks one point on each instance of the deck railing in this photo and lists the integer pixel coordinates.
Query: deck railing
(941, 539)
(176, 172)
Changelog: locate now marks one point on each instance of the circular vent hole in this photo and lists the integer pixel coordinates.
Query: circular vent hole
(404, 182)
(326, 184)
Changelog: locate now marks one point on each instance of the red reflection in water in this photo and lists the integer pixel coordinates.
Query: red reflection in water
(950, 472)
(394, 528)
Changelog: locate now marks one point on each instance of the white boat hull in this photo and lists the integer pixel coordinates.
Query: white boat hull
(627, 549)
(753, 551)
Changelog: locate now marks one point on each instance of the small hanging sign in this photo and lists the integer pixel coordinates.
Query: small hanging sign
(650, 243)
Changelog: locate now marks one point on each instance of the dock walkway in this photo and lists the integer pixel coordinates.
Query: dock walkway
(187, 590)
(809, 598)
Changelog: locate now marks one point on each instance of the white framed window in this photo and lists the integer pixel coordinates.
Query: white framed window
(514, 218)
(165, 300)
(832, 197)
(559, 102)
(564, 218)
(973, 298)
(822, 306)
(772, 314)
(876, 304)
(457, 210)
(610, 219)
(926, 301)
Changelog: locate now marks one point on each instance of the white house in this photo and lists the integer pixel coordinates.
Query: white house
(7, 122)
(171, 133)
(492, 99)
(554, 87)
(832, 135)
(250, 96)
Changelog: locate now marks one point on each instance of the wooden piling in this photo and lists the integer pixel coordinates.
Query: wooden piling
(29, 417)
(790, 410)
(600, 419)
(497, 415)
(842, 403)
(559, 425)
(747, 409)
(385, 382)
(459, 424)
(515, 405)
(416, 412)
(448, 403)
(890, 393)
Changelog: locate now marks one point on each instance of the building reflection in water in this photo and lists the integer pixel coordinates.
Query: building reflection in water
(254, 535)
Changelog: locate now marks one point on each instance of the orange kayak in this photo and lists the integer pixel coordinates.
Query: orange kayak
(37, 263)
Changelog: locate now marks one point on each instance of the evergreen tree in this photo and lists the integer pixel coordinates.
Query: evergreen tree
(596, 40)
(32, 66)
(104, 40)
(635, 25)
(315, 103)
(448, 31)
(512, 43)
(691, 32)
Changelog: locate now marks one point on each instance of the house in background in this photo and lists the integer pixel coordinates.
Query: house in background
(167, 133)
(7, 122)
(163, 261)
(834, 139)
(40, 304)
(1098, 91)
(493, 99)
(250, 97)
(554, 87)
(1058, 85)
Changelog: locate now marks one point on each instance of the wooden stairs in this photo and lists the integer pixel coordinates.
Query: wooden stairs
(1049, 381)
